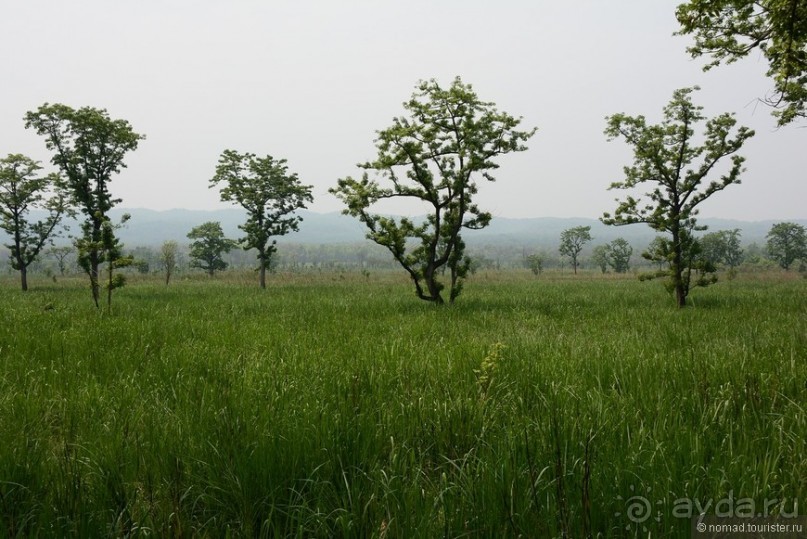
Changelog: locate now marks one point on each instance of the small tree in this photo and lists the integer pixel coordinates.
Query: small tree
(619, 253)
(264, 187)
(657, 252)
(787, 242)
(535, 263)
(61, 254)
(112, 252)
(663, 155)
(728, 30)
(732, 251)
(89, 148)
(434, 156)
(572, 241)
(208, 247)
(599, 257)
(21, 191)
(108, 249)
(722, 248)
(168, 258)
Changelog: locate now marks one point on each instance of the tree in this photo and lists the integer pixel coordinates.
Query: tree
(209, 246)
(787, 242)
(663, 158)
(722, 248)
(111, 252)
(599, 257)
(732, 250)
(535, 262)
(89, 148)
(619, 253)
(61, 254)
(657, 251)
(270, 196)
(168, 258)
(434, 157)
(727, 30)
(22, 190)
(572, 241)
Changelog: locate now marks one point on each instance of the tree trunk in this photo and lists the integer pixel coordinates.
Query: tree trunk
(95, 261)
(94, 285)
(262, 269)
(433, 286)
(109, 288)
(680, 293)
(453, 293)
(24, 277)
(167, 276)
(677, 269)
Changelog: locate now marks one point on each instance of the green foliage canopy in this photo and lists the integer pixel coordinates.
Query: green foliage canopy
(208, 247)
(787, 242)
(599, 257)
(727, 30)
(619, 253)
(722, 247)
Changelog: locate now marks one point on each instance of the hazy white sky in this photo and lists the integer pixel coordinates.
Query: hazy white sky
(312, 81)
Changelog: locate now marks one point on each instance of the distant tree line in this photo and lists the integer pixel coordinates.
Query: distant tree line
(722, 249)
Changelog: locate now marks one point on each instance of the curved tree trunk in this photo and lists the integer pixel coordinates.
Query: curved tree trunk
(433, 286)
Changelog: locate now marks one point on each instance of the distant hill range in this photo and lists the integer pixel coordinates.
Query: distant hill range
(151, 228)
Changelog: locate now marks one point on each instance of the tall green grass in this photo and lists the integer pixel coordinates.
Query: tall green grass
(341, 406)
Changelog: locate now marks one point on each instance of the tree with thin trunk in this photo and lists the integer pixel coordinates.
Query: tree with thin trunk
(209, 246)
(89, 148)
(656, 252)
(168, 258)
(599, 257)
(270, 195)
(433, 157)
(111, 252)
(61, 255)
(663, 159)
(23, 190)
(535, 263)
(572, 241)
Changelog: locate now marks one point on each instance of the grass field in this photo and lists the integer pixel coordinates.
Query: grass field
(340, 406)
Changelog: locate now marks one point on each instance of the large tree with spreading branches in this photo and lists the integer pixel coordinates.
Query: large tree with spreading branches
(676, 168)
(434, 156)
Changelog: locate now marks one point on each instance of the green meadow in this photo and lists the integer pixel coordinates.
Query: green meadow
(339, 405)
